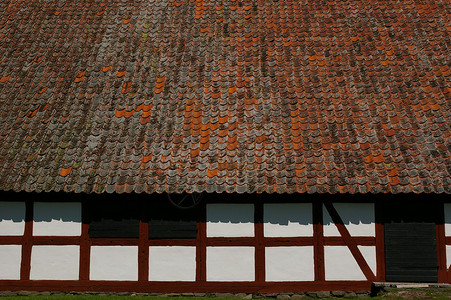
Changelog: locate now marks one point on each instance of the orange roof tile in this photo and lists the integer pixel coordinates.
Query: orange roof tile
(328, 97)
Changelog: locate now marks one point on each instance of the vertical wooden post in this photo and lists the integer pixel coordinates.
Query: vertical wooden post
(441, 244)
(318, 240)
(143, 243)
(27, 243)
(380, 241)
(85, 243)
(201, 247)
(259, 242)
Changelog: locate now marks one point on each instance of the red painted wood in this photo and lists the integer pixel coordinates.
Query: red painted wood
(352, 245)
(441, 240)
(211, 241)
(259, 243)
(11, 240)
(143, 251)
(237, 241)
(292, 241)
(143, 246)
(172, 242)
(56, 240)
(180, 287)
(27, 242)
(441, 253)
(447, 239)
(201, 251)
(318, 239)
(85, 243)
(284, 241)
(380, 242)
(114, 241)
(359, 240)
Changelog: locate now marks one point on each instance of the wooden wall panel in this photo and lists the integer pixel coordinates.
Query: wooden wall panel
(411, 252)
(411, 242)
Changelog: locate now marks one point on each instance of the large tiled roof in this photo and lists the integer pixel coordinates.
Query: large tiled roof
(235, 96)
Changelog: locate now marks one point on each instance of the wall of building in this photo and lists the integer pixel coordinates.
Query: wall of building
(238, 247)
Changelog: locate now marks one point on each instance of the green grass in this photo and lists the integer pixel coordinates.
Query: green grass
(394, 294)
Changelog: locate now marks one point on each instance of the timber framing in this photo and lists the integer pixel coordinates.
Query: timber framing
(259, 242)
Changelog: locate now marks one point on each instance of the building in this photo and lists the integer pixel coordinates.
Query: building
(211, 146)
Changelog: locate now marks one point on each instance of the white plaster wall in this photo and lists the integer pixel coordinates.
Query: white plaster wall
(447, 208)
(288, 219)
(230, 264)
(289, 263)
(55, 262)
(172, 263)
(339, 264)
(12, 218)
(114, 263)
(57, 219)
(448, 256)
(369, 254)
(357, 217)
(10, 259)
(230, 220)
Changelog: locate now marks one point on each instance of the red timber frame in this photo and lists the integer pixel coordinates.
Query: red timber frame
(201, 242)
(444, 273)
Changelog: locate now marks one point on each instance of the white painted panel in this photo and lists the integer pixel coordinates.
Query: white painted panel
(357, 217)
(230, 264)
(230, 220)
(12, 218)
(447, 219)
(448, 256)
(175, 263)
(55, 262)
(10, 259)
(57, 219)
(289, 263)
(339, 264)
(369, 254)
(288, 219)
(114, 263)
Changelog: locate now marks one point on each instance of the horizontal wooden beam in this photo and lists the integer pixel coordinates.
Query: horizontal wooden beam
(56, 240)
(11, 240)
(212, 241)
(180, 287)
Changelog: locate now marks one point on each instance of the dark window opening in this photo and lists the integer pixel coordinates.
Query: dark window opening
(169, 222)
(114, 219)
(121, 218)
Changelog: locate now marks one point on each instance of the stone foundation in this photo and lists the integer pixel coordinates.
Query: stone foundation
(322, 294)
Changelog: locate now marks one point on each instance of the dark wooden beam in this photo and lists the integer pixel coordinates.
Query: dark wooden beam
(25, 266)
(318, 239)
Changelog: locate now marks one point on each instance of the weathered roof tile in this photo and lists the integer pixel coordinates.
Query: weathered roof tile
(286, 96)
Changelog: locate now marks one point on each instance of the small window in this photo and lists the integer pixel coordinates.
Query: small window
(169, 222)
(114, 219)
(120, 219)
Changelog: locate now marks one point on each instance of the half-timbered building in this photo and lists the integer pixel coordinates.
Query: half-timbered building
(224, 146)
